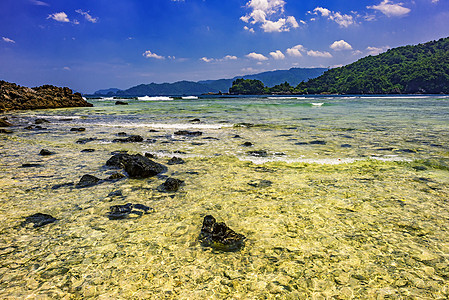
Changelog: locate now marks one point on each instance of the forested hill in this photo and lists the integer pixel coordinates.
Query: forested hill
(423, 68)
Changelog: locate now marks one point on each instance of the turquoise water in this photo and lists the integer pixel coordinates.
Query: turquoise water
(357, 205)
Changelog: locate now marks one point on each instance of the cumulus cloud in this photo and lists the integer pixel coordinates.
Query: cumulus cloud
(8, 40)
(343, 20)
(205, 59)
(277, 54)
(87, 16)
(324, 54)
(376, 50)
(257, 56)
(225, 58)
(149, 54)
(296, 51)
(60, 17)
(391, 10)
(269, 14)
(340, 45)
(249, 29)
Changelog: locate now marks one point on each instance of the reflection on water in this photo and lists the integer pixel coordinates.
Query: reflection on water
(350, 201)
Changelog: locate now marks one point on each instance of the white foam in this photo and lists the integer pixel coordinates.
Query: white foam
(107, 98)
(286, 98)
(317, 104)
(155, 98)
(190, 98)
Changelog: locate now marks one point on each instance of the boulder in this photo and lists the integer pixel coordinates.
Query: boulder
(137, 166)
(170, 185)
(38, 220)
(219, 236)
(46, 152)
(130, 139)
(188, 133)
(87, 181)
(175, 161)
(121, 103)
(118, 212)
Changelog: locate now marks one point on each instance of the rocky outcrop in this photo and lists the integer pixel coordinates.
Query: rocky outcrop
(137, 166)
(219, 236)
(14, 97)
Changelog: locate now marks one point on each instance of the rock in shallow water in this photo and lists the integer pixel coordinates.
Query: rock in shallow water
(87, 181)
(219, 236)
(170, 185)
(38, 220)
(137, 166)
(118, 212)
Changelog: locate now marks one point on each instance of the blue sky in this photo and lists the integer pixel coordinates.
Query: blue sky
(95, 44)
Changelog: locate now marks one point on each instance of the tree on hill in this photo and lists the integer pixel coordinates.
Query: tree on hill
(247, 87)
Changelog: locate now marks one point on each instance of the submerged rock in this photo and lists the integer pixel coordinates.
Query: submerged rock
(87, 181)
(85, 140)
(45, 152)
(219, 236)
(170, 185)
(247, 144)
(121, 103)
(118, 212)
(260, 183)
(130, 139)
(38, 220)
(258, 153)
(175, 161)
(41, 121)
(78, 129)
(137, 166)
(188, 133)
(2, 130)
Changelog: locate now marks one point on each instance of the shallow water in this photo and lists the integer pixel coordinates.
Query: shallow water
(357, 206)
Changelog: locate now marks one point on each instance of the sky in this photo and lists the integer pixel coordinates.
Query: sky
(89, 45)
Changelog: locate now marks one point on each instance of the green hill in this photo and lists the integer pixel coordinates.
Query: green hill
(423, 68)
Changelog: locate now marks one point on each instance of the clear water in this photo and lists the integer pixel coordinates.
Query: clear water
(358, 206)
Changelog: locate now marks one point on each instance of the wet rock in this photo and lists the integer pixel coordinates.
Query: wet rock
(46, 152)
(5, 123)
(219, 236)
(117, 193)
(247, 144)
(345, 146)
(61, 185)
(78, 129)
(88, 150)
(121, 103)
(118, 212)
(85, 140)
(150, 155)
(420, 168)
(130, 139)
(31, 165)
(301, 143)
(318, 142)
(38, 220)
(258, 153)
(137, 166)
(260, 183)
(87, 181)
(115, 176)
(236, 136)
(188, 133)
(170, 185)
(175, 161)
(41, 121)
(2, 130)
(196, 120)
(122, 134)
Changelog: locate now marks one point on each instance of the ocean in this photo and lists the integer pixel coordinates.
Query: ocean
(338, 197)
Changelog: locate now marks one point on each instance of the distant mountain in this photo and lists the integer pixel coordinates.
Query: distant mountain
(422, 68)
(293, 76)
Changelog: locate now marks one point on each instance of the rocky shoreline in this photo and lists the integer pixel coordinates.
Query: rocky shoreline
(16, 97)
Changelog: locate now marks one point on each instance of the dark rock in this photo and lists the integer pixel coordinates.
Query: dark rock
(196, 120)
(385, 149)
(260, 183)
(122, 134)
(31, 165)
(30, 127)
(149, 155)
(137, 166)
(317, 142)
(345, 145)
(118, 212)
(87, 181)
(258, 153)
(5, 123)
(121, 103)
(219, 236)
(2, 130)
(130, 139)
(88, 150)
(236, 136)
(85, 140)
(211, 138)
(117, 193)
(61, 185)
(170, 185)
(188, 133)
(151, 141)
(197, 144)
(115, 176)
(78, 129)
(247, 144)
(301, 143)
(41, 121)
(420, 168)
(46, 152)
(179, 152)
(408, 151)
(38, 220)
(175, 161)
(153, 130)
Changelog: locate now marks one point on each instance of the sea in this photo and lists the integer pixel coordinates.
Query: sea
(339, 197)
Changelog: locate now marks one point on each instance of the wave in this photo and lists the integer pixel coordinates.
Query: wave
(190, 98)
(286, 98)
(166, 126)
(155, 98)
(317, 103)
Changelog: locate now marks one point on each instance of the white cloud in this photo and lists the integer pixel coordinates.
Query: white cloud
(340, 45)
(377, 50)
(341, 19)
(296, 50)
(205, 59)
(226, 58)
(391, 10)
(229, 57)
(87, 16)
(277, 54)
(248, 29)
(40, 3)
(319, 54)
(67, 69)
(149, 54)
(257, 56)
(8, 40)
(269, 14)
(60, 17)
(435, 1)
